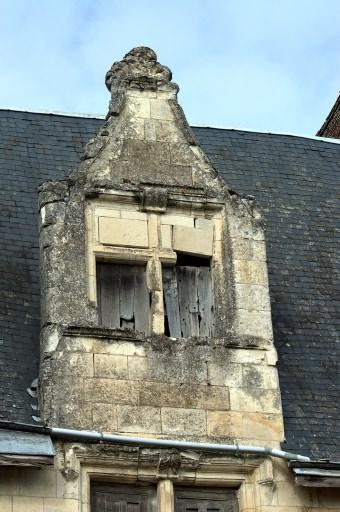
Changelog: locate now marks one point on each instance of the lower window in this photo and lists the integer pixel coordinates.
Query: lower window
(122, 498)
(193, 500)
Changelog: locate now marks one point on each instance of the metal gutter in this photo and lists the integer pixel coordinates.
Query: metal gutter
(98, 437)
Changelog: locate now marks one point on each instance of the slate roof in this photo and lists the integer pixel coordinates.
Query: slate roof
(295, 181)
(331, 126)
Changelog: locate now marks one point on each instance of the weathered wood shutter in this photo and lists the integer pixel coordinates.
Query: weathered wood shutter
(105, 498)
(189, 301)
(206, 501)
(123, 297)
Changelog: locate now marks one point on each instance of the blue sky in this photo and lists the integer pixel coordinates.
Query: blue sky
(271, 65)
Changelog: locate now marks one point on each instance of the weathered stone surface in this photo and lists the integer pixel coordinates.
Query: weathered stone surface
(163, 369)
(139, 419)
(125, 232)
(110, 367)
(184, 396)
(193, 240)
(111, 391)
(250, 400)
(178, 220)
(250, 272)
(74, 364)
(183, 422)
(23, 504)
(255, 323)
(262, 377)
(227, 374)
(42, 484)
(105, 417)
(252, 297)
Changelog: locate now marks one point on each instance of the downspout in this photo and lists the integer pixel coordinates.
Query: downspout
(98, 437)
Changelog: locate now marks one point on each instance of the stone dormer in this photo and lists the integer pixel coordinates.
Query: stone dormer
(155, 303)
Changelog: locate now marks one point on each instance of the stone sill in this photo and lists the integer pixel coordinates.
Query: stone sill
(229, 340)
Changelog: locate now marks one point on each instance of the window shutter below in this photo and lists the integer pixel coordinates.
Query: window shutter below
(123, 297)
(189, 301)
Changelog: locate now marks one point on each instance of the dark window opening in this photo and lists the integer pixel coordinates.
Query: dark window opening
(188, 298)
(187, 260)
(122, 498)
(123, 297)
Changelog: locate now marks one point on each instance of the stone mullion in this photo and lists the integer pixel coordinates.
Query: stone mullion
(154, 277)
(165, 496)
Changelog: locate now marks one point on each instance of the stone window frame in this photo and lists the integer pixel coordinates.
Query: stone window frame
(154, 256)
(245, 475)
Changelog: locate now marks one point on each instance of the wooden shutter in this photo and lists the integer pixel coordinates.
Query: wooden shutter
(123, 297)
(206, 501)
(189, 301)
(106, 498)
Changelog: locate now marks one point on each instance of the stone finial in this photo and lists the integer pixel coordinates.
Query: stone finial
(139, 64)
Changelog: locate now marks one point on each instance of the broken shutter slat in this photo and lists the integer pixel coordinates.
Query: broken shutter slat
(108, 296)
(188, 300)
(205, 301)
(142, 302)
(171, 301)
(127, 296)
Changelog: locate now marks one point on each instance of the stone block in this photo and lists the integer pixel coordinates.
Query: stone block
(185, 422)
(248, 249)
(179, 369)
(110, 367)
(139, 419)
(105, 417)
(254, 323)
(153, 230)
(28, 504)
(261, 377)
(9, 481)
(166, 131)
(159, 394)
(178, 220)
(123, 232)
(250, 272)
(160, 109)
(150, 129)
(38, 483)
(6, 503)
(224, 424)
(193, 241)
(181, 154)
(77, 415)
(138, 107)
(74, 364)
(100, 346)
(111, 391)
(250, 400)
(263, 427)
(166, 236)
(245, 355)
(60, 505)
(252, 297)
(148, 155)
(131, 214)
(225, 374)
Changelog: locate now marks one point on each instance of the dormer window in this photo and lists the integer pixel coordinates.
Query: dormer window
(151, 272)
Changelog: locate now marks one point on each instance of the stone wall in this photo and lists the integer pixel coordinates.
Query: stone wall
(267, 489)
